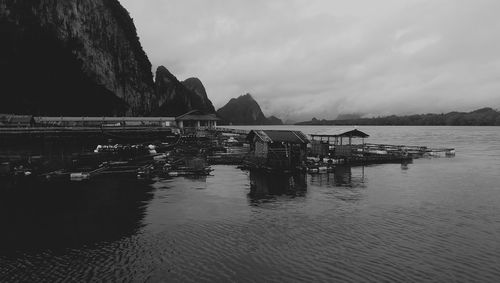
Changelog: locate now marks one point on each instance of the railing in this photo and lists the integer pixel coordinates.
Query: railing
(406, 149)
(233, 131)
(198, 131)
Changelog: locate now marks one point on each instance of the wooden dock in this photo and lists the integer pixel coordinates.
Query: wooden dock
(232, 131)
(85, 130)
(404, 150)
(15, 135)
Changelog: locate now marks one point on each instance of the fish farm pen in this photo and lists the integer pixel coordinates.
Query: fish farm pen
(341, 148)
(156, 149)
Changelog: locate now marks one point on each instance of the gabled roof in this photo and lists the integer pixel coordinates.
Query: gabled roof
(192, 112)
(355, 133)
(197, 115)
(270, 136)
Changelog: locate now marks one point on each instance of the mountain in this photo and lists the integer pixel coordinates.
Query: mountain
(72, 58)
(348, 116)
(481, 117)
(244, 110)
(82, 58)
(273, 120)
(176, 99)
(196, 86)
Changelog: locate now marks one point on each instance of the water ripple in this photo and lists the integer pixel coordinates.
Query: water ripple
(436, 220)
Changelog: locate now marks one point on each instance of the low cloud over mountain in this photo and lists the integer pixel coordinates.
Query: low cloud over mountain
(322, 58)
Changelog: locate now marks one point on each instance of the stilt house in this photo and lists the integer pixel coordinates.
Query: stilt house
(195, 121)
(336, 144)
(276, 149)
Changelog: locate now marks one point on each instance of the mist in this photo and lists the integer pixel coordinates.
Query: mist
(303, 59)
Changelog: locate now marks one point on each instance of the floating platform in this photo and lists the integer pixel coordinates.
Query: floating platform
(22, 135)
(413, 151)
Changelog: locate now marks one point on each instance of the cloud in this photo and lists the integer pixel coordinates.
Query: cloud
(320, 58)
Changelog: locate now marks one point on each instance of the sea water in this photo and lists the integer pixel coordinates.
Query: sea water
(436, 219)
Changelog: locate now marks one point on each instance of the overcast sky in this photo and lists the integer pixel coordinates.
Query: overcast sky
(305, 58)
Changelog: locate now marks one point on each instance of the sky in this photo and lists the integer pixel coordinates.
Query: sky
(319, 58)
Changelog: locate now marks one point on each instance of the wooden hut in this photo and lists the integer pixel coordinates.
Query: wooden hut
(275, 149)
(195, 121)
(337, 144)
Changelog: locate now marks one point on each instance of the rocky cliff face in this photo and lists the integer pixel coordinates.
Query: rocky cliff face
(176, 99)
(273, 120)
(72, 57)
(196, 86)
(83, 57)
(244, 110)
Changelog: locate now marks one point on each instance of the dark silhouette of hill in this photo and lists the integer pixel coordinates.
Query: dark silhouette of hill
(195, 85)
(83, 58)
(244, 110)
(175, 98)
(481, 117)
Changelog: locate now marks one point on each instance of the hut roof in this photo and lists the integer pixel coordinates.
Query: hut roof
(296, 137)
(355, 133)
(196, 115)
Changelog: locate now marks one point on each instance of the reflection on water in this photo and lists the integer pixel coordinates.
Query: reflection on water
(342, 176)
(71, 215)
(344, 183)
(265, 185)
(436, 220)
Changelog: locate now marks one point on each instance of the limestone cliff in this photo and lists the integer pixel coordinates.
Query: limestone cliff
(72, 57)
(176, 99)
(196, 86)
(244, 110)
(273, 120)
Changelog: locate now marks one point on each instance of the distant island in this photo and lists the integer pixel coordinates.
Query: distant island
(481, 117)
(244, 110)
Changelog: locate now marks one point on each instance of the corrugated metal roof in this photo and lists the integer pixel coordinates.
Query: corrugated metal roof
(280, 136)
(197, 115)
(206, 117)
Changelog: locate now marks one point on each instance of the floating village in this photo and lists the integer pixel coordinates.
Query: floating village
(168, 147)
